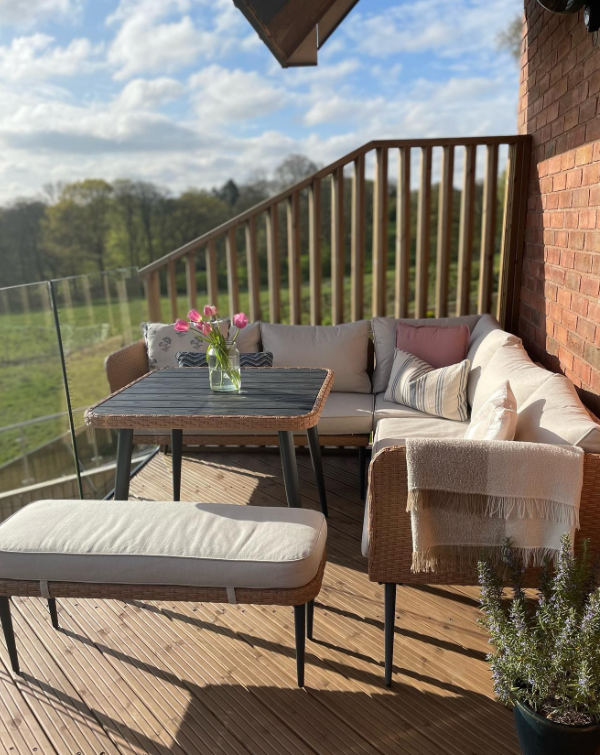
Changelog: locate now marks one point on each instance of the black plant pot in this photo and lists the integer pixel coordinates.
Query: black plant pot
(539, 736)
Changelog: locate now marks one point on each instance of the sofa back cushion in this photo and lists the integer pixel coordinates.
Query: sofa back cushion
(248, 338)
(163, 342)
(384, 337)
(554, 414)
(487, 337)
(341, 348)
(439, 347)
(510, 362)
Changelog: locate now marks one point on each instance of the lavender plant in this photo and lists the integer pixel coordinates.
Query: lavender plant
(547, 651)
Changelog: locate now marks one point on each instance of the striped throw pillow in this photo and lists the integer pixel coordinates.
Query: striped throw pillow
(441, 392)
(191, 359)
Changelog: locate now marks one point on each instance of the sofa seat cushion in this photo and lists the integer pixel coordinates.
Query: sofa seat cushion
(343, 414)
(487, 337)
(384, 338)
(163, 543)
(510, 362)
(554, 414)
(341, 348)
(394, 432)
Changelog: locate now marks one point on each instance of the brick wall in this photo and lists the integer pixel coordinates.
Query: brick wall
(559, 96)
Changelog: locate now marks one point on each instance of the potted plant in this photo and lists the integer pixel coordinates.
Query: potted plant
(222, 354)
(546, 662)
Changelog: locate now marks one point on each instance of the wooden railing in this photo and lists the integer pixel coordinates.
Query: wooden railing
(477, 241)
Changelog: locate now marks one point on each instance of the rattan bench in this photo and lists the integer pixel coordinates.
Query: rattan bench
(148, 550)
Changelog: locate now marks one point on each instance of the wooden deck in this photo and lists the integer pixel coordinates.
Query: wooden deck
(187, 679)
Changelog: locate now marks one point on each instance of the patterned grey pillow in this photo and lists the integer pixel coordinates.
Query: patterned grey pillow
(163, 343)
(259, 359)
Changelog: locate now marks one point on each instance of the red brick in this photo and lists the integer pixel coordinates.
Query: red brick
(586, 329)
(574, 178)
(566, 358)
(582, 370)
(564, 298)
(587, 218)
(569, 319)
(567, 257)
(572, 280)
(592, 241)
(579, 304)
(590, 286)
(591, 174)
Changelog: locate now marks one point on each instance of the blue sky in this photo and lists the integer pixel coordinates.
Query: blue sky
(182, 92)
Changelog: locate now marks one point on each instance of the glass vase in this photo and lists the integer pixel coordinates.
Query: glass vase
(224, 368)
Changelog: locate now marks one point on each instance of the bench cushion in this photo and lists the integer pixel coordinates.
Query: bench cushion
(163, 543)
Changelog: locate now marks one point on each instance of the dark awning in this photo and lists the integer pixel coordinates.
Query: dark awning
(294, 30)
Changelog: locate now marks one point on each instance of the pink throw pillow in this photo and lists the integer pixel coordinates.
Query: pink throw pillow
(439, 347)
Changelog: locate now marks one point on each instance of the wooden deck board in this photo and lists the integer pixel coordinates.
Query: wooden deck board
(165, 678)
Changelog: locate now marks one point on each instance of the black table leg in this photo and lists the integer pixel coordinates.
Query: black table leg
(315, 454)
(290, 468)
(177, 452)
(124, 452)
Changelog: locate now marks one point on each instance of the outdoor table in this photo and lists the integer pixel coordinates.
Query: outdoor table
(279, 399)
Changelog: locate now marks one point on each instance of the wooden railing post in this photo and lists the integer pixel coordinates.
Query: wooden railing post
(423, 235)
(465, 241)
(337, 246)
(488, 230)
(212, 280)
(402, 233)
(314, 250)
(253, 271)
(380, 232)
(442, 282)
(358, 229)
(190, 276)
(152, 287)
(273, 264)
(232, 273)
(172, 289)
(293, 236)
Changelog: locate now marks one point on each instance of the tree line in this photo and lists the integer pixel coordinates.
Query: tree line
(94, 225)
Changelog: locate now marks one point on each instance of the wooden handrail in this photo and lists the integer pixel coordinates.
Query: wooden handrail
(457, 278)
(266, 204)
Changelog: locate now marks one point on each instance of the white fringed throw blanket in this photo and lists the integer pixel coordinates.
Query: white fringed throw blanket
(466, 497)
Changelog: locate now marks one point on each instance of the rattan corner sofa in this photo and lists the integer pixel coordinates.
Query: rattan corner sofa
(549, 411)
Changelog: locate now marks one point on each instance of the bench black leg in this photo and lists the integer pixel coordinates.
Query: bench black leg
(124, 453)
(310, 619)
(53, 612)
(300, 628)
(290, 469)
(315, 454)
(9, 634)
(390, 620)
(362, 471)
(177, 453)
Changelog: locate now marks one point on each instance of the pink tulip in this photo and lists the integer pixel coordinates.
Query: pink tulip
(194, 315)
(210, 310)
(205, 328)
(240, 321)
(181, 326)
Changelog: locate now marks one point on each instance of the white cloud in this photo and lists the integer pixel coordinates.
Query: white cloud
(222, 95)
(142, 94)
(35, 57)
(153, 36)
(445, 27)
(27, 13)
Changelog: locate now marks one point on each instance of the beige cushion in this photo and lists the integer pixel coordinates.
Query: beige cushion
(163, 343)
(554, 414)
(497, 418)
(343, 414)
(165, 543)
(341, 348)
(510, 362)
(248, 338)
(487, 337)
(394, 432)
(384, 338)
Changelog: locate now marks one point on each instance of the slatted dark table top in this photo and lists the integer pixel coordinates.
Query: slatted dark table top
(271, 398)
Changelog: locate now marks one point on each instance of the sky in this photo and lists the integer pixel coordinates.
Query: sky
(183, 92)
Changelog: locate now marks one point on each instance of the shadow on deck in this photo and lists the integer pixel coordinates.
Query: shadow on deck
(185, 679)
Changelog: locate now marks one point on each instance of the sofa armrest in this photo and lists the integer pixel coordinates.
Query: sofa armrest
(390, 536)
(126, 365)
